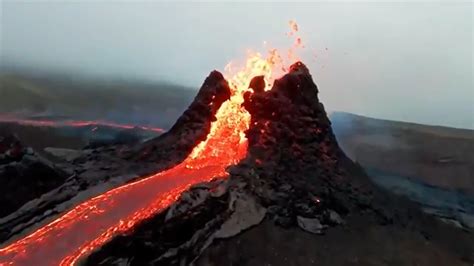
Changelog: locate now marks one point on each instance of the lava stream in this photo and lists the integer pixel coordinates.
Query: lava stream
(73, 123)
(92, 223)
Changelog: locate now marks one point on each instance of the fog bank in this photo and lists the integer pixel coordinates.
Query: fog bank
(401, 61)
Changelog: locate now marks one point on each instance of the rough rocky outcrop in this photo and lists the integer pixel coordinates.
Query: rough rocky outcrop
(298, 167)
(192, 126)
(24, 175)
(11, 149)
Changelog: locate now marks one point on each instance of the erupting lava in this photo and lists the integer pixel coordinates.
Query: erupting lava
(73, 123)
(93, 222)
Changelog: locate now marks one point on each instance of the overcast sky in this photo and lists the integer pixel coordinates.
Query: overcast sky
(402, 61)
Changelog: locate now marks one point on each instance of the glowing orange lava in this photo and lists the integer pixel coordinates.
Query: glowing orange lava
(92, 223)
(73, 123)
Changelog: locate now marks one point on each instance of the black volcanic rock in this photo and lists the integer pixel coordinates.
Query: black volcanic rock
(293, 151)
(178, 234)
(11, 149)
(127, 137)
(24, 175)
(192, 126)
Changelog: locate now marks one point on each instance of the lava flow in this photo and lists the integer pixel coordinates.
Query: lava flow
(73, 123)
(92, 223)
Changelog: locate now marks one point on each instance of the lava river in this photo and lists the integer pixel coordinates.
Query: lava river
(72, 123)
(92, 223)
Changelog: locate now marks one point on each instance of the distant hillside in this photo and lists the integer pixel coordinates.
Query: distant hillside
(439, 156)
(118, 100)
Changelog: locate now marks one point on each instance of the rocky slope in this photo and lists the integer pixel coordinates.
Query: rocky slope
(24, 174)
(431, 165)
(191, 127)
(438, 156)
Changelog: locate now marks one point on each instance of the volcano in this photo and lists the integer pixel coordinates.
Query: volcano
(292, 175)
(247, 151)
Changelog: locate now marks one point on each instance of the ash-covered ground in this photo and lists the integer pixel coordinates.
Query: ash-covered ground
(296, 199)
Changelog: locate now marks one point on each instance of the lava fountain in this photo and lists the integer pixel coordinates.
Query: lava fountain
(92, 223)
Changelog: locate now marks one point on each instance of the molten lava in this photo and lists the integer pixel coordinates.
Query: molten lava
(73, 123)
(92, 223)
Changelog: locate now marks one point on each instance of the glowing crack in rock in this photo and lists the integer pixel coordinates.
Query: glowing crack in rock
(94, 222)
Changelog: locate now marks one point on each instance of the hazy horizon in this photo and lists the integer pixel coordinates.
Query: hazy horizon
(399, 61)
